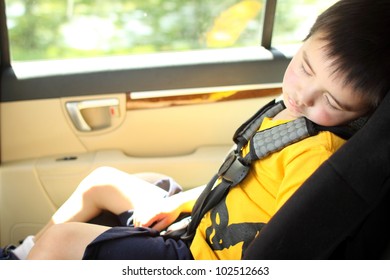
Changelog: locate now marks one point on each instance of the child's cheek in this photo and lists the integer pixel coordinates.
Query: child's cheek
(322, 117)
(290, 80)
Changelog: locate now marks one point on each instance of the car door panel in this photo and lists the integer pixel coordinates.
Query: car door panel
(24, 203)
(31, 129)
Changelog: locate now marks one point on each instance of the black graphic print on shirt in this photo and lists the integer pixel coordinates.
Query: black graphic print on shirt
(220, 235)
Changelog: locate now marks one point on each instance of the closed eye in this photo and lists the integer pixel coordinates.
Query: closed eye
(304, 71)
(330, 103)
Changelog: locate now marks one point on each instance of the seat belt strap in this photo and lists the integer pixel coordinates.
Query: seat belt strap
(268, 141)
(206, 202)
(246, 130)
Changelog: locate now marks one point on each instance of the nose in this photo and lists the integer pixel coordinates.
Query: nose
(306, 98)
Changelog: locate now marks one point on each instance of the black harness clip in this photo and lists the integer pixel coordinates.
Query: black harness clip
(233, 169)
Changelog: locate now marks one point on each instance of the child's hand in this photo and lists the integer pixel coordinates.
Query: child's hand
(159, 214)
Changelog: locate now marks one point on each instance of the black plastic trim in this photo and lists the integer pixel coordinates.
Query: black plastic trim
(146, 79)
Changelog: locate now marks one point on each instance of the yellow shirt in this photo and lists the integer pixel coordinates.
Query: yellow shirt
(227, 229)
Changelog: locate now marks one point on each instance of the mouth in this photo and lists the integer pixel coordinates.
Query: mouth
(293, 104)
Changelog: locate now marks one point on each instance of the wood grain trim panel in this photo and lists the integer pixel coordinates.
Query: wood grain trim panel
(194, 99)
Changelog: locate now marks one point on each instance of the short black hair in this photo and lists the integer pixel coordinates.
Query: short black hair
(358, 40)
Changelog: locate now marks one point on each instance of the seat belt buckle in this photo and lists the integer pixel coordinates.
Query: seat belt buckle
(233, 170)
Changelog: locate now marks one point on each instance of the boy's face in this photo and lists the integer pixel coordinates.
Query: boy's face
(310, 88)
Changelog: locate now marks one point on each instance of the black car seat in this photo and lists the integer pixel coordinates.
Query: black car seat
(342, 210)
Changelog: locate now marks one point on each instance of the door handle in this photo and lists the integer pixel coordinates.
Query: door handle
(75, 110)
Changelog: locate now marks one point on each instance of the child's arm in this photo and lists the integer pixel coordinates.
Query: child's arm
(165, 211)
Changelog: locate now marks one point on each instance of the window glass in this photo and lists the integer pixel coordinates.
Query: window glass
(60, 29)
(294, 18)
(52, 29)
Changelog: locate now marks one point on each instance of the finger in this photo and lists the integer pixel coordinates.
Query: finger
(162, 224)
(158, 226)
(151, 221)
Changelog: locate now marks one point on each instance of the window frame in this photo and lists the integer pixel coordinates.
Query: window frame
(189, 69)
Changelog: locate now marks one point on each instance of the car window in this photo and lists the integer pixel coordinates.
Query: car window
(57, 29)
(293, 20)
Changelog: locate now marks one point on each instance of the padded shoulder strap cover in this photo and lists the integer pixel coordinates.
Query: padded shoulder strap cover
(334, 203)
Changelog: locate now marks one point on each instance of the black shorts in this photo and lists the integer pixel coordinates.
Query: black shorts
(129, 243)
